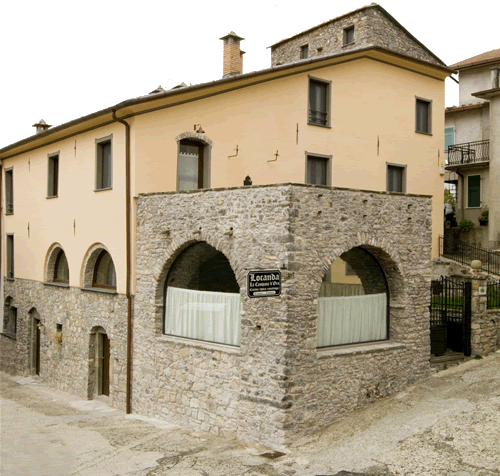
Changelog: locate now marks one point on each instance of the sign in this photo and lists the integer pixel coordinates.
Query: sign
(264, 283)
(482, 290)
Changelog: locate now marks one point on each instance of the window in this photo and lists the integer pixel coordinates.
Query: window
(449, 137)
(423, 116)
(104, 272)
(304, 51)
(103, 163)
(319, 102)
(474, 191)
(9, 318)
(61, 269)
(191, 168)
(9, 192)
(349, 35)
(10, 256)
(396, 178)
(318, 169)
(53, 179)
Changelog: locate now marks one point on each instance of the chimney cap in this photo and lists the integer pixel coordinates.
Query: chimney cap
(41, 123)
(232, 34)
(159, 89)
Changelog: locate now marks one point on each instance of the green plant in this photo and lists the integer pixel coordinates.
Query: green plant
(448, 197)
(484, 217)
(477, 357)
(465, 226)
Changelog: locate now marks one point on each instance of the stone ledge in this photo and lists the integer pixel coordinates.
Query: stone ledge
(358, 349)
(57, 285)
(210, 346)
(10, 336)
(98, 290)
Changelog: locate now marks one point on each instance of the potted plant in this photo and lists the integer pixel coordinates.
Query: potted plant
(447, 224)
(465, 226)
(483, 218)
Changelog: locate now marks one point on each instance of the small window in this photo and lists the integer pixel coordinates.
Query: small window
(9, 318)
(423, 116)
(103, 164)
(104, 272)
(53, 179)
(190, 165)
(10, 256)
(474, 191)
(304, 51)
(349, 35)
(59, 333)
(61, 269)
(9, 192)
(318, 169)
(319, 102)
(396, 178)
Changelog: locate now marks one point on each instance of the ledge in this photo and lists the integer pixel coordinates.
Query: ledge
(57, 285)
(358, 349)
(200, 344)
(10, 336)
(99, 290)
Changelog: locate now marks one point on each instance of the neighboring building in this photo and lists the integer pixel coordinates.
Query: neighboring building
(128, 236)
(472, 141)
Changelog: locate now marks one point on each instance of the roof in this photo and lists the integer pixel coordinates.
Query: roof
(372, 5)
(465, 107)
(492, 56)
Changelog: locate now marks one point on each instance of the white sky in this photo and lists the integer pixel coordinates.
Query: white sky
(61, 60)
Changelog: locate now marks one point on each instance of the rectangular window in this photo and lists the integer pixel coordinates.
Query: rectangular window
(9, 191)
(474, 191)
(103, 163)
(423, 116)
(318, 169)
(10, 256)
(396, 178)
(349, 35)
(53, 179)
(319, 102)
(190, 165)
(304, 51)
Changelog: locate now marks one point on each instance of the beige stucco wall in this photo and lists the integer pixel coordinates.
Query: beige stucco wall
(338, 274)
(370, 101)
(98, 216)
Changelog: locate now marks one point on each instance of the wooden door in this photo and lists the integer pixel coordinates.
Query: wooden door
(37, 346)
(105, 365)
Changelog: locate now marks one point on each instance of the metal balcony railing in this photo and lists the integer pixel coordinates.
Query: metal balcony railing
(468, 153)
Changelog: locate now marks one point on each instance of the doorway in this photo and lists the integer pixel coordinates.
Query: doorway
(36, 338)
(99, 363)
(103, 371)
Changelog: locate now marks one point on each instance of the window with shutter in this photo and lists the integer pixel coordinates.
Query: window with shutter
(474, 191)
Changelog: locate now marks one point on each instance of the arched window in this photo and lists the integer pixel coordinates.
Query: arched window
(202, 297)
(61, 269)
(104, 272)
(353, 301)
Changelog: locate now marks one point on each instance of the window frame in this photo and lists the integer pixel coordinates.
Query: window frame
(96, 267)
(429, 115)
(403, 168)
(328, 100)
(99, 143)
(304, 51)
(204, 161)
(345, 35)
(55, 278)
(468, 193)
(9, 253)
(53, 179)
(327, 159)
(9, 200)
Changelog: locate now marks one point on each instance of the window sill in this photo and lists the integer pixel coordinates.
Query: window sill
(9, 279)
(359, 349)
(102, 189)
(424, 133)
(9, 213)
(100, 290)
(51, 196)
(326, 126)
(348, 44)
(200, 344)
(10, 336)
(57, 285)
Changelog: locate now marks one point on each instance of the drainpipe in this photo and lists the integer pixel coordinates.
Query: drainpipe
(463, 194)
(129, 258)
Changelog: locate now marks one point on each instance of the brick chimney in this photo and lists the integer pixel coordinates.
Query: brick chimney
(233, 56)
(41, 126)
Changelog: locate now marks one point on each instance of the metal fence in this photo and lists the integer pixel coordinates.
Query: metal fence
(493, 295)
(464, 253)
(469, 152)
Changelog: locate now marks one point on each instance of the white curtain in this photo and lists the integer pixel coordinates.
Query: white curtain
(203, 315)
(340, 289)
(347, 320)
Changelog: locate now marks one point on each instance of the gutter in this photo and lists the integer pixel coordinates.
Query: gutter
(128, 220)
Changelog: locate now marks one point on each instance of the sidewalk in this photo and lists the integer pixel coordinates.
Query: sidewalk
(447, 425)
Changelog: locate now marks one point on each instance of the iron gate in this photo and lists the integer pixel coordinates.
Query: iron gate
(450, 316)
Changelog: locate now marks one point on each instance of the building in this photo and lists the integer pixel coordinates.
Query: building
(138, 256)
(472, 134)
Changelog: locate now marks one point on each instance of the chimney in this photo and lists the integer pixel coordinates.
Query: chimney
(41, 126)
(233, 56)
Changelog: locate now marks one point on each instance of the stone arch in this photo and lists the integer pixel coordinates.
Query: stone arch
(89, 263)
(195, 136)
(51, 260)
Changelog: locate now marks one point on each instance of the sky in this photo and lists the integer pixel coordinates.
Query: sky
(60, 60)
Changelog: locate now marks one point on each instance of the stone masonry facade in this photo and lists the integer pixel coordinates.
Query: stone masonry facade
(277, 386)
(372, 26)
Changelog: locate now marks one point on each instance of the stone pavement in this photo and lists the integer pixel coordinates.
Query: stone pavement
(447, 425)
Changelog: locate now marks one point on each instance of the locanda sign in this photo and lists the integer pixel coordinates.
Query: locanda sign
(264, 283)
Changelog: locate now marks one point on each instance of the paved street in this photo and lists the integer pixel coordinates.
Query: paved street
(447, 425)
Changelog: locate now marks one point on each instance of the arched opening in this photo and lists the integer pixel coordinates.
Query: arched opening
(99, 363)
(353, 303)
(104, 272)
(202, 297)
(57, 269)
(35, 341)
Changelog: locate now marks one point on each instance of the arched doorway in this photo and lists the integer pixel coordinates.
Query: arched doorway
(99, 363)
(35, 323)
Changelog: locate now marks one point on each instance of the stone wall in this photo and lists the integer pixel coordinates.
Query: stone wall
(485, 333)
(371, 27)
(277, 386)
(66, 365)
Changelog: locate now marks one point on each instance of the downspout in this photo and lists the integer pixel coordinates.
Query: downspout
(129, 260)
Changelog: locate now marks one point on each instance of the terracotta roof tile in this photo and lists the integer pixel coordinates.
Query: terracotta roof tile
(483, 58)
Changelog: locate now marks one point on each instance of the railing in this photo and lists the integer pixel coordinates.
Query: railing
(463, 253)
(493, 295)
(318, 117)
(469, 153)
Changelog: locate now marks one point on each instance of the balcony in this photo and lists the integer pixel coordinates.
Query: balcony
(468, 153)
